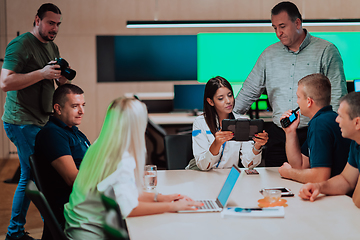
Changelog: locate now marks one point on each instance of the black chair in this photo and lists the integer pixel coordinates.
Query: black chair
(155, 134)
(112, 227)
(42, 176)
(38, 198)
(35, 172)
(178, 151)
(109, 200)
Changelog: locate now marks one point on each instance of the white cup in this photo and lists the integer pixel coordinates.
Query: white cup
(150, 178)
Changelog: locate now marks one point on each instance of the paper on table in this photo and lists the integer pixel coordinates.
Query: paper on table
(253, 212)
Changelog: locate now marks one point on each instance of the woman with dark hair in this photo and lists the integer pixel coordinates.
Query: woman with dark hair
(211, 145)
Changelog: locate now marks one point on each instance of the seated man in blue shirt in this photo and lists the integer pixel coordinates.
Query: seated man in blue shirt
(324, 153)
(60, 147)
(346, 182)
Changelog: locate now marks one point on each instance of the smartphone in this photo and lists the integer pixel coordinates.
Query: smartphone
(285, 192)
(285, 122)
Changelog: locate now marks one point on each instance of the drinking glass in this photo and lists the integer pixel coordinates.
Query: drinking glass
(272, 195)
(150, 178)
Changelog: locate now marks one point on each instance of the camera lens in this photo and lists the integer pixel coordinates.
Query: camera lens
(68, 73)
(65, 70)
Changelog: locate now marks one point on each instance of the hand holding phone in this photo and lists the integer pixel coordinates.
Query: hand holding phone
(286, 122)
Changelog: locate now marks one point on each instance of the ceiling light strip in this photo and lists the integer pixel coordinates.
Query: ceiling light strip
(237, 23)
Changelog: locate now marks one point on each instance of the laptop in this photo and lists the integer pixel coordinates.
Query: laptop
(217, 205)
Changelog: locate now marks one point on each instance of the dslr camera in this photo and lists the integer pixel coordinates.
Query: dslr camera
(65, 70)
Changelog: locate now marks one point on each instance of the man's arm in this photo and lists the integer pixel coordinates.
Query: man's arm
(356, 194)
(252, 88)
(343, 183)
(338, 185)
(11, 81)
(66, 167)
(334, 70)
(292, 146)
(317, 174)
(293, 152)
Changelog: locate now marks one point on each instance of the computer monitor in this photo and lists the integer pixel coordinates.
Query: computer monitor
(357, 85)
(129, 58)
(189, 97)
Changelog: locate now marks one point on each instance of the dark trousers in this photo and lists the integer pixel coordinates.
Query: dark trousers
(274, 153)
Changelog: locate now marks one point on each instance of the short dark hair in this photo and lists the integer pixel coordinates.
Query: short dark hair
(288, 7)
(353, 100)
(318, 87)
(45, 8)
(60, 93)
(210, 89)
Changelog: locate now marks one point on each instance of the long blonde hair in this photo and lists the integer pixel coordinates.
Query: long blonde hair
(123, 130)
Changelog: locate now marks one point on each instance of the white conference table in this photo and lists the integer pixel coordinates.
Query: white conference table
(329, 217)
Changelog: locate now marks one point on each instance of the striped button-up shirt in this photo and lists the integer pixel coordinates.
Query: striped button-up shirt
(279, 69)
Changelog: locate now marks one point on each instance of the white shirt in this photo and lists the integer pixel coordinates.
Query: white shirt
(85, 214)
(202, 139)
(123, 182)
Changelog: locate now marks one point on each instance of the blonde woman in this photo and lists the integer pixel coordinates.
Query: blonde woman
(116, 159)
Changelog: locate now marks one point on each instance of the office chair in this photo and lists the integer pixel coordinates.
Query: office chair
(109, 200)
(178, 151)
(50, 221)
(41, 178)
(35, 172)
(112, 227)
(154, 132)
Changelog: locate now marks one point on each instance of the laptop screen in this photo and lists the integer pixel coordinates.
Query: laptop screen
(228, 185)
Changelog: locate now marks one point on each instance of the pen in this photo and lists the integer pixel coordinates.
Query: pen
(254, 209)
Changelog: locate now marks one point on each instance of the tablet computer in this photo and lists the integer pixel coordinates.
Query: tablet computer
(243, 129)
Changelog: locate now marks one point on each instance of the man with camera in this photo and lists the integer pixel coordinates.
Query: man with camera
(60, 147)
(324, 153)
(28, 74)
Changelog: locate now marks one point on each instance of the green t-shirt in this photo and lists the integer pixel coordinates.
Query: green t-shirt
(32, 104)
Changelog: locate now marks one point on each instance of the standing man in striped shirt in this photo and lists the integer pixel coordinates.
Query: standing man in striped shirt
(281, 66)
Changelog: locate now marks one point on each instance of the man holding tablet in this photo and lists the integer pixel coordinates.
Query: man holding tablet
(325, 151)
(349, 121)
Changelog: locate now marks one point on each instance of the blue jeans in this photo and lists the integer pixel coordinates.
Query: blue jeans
(23, 136)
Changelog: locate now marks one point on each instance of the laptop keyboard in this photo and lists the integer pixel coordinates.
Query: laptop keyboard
(208, 204)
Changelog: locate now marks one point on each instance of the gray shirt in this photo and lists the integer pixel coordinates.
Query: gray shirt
(279, 69)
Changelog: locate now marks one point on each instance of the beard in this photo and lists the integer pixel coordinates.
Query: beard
(45, 35)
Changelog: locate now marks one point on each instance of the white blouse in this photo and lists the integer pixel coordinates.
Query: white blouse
(203, 138)
(85, 213)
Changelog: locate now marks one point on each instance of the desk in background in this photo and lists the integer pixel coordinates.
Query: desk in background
(172, 118)
(330, 217)
(188, 118)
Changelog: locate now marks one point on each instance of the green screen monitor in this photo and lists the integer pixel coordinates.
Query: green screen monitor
(233, 55)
